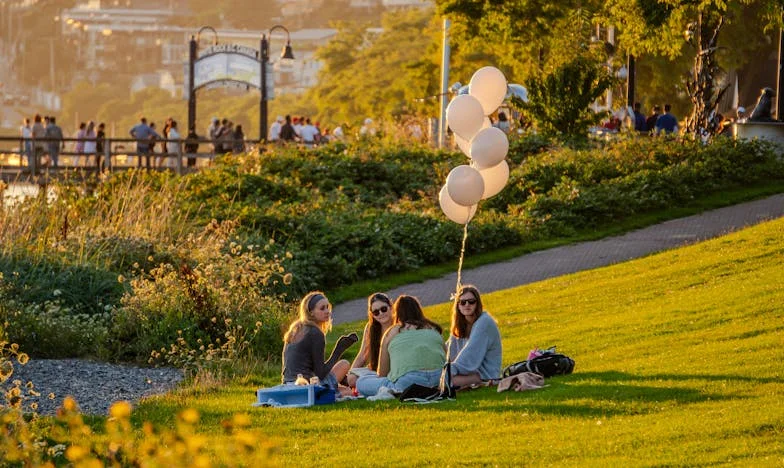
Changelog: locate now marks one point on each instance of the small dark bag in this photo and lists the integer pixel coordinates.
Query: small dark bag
(546, 365)
(447, 390)
(444, 391)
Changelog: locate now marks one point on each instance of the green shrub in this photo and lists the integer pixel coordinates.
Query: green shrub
(559, 102)
(334, 215)
(222, 286)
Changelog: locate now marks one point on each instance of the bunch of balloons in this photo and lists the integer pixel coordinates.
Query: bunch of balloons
(484, 144)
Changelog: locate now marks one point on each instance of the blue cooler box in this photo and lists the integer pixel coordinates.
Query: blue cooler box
(294, 396)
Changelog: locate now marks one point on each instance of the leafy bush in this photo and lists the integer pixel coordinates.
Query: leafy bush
(334, 215)
(559, 103)
(225, 287)
(51, 330)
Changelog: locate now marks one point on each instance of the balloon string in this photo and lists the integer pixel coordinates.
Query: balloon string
(460, 264)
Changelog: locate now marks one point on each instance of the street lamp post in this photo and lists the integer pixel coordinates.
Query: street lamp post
(264, 50)
(631, 81)
(193, 52)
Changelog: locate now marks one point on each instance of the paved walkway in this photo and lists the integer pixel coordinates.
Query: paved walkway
(558, 261)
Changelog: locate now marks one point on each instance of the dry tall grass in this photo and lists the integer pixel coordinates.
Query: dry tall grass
(91, 222)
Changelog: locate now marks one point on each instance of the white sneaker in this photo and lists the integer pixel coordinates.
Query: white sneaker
(383, 393)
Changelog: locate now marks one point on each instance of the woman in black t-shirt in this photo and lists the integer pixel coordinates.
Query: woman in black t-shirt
(305, 343)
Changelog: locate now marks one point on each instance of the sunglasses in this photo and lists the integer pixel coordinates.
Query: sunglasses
(379, 311)
(467, 301)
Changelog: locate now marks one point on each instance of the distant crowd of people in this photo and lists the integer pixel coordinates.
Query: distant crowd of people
(658, 122)
(655, 124)
(43, 141)
(290, 129)
(307, 133)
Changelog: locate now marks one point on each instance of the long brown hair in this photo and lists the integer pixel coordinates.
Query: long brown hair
(408, 310)
(376, 328)
(459, 326)
(306, 307)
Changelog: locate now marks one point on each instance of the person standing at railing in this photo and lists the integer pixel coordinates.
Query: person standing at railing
(55, 136)
(90, 145)
(163, 158)
(224, 137)
(238, 142)
(100, 141)
(287, 132)
(143, 135)
(192, 147)
(213, 131)
(39, 133)
(27, 142)
(308, 133)
(173, 142)
(80, 136)
(274, 130)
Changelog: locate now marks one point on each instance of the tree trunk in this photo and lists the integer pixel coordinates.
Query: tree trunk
(701, 84)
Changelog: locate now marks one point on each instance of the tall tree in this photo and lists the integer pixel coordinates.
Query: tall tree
(535, 36)
(672, 28)
(391, 72)
(529, 36)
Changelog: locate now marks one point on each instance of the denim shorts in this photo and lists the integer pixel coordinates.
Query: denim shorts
(330, 381)
(368, 385)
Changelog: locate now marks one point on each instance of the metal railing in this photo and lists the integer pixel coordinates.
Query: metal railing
(33, 156)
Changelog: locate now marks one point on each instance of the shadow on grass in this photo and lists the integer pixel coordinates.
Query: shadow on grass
(584, 394)
(588, 394)
(626, 377)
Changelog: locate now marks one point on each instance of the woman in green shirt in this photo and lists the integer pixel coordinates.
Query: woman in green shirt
(412, 351)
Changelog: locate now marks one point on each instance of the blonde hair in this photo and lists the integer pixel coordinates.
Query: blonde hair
(306, 317)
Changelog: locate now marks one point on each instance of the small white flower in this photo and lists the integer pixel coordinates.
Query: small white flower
(56, 292)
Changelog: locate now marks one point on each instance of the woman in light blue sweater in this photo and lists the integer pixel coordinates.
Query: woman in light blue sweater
(475, 342)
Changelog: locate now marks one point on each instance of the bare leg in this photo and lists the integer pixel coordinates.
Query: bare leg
(340, 369)
(466, 380)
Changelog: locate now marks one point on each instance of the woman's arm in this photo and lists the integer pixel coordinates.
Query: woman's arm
(364, 350)
(317, 343)
(383, 358)
(473, 353)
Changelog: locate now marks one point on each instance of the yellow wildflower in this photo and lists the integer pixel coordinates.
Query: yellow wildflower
(190, 416)
(69, 404)
(120, 410)
(75, 453)
(241, 420)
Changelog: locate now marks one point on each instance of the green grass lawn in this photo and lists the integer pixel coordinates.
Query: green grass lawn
(678, 362)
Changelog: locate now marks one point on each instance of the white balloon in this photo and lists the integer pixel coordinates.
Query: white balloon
(453, 211)
(465, 116)
(489, 147)
(488, 85)
(465, 145)
(495, 179)
(465, 185)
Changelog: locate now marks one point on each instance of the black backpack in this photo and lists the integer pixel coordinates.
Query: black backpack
(547, 365)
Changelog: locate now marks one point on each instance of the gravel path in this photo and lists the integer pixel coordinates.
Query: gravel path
(94, 385)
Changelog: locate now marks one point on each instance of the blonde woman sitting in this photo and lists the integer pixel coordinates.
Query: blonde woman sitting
(305, 343)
